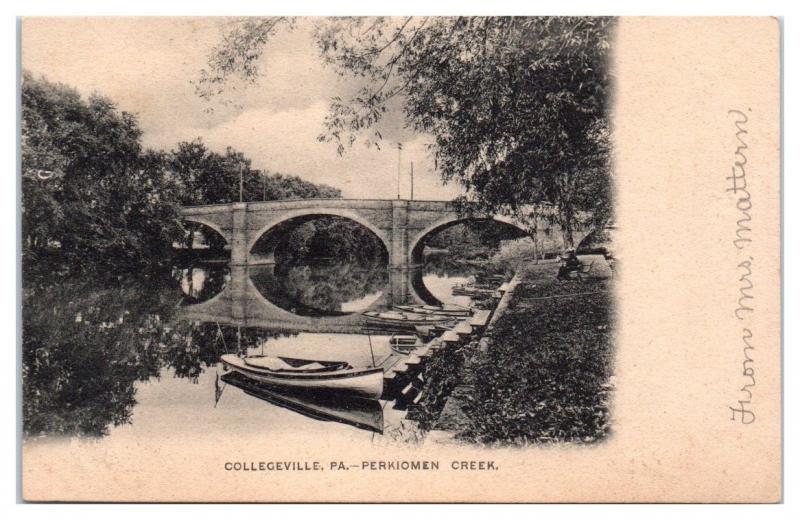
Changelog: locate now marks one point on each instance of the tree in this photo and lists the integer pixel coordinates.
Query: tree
(207, 177)
(517, 107)
(90, 194)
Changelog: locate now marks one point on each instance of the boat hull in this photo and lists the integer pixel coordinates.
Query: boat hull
(454, 313)
(358, 382)
(417, 319)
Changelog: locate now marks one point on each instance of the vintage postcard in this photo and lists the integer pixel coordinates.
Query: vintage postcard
(401, 259)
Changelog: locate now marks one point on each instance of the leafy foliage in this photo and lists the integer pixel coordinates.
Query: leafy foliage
(443, 372)
(319, 289)
(327, 237)
(207, 177)
(513, 255)
(517, 106)
(94, 200)
(88, 189)
(473, 239)
(545, 378)
(226, 60)
(87, 342)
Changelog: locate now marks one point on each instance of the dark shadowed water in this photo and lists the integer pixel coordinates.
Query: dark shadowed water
(111, 359)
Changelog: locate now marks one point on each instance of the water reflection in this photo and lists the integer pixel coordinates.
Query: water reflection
(321, 288)
(86, 344)
(95, 349)
(361, 413)
(441, 273)
(201, 282)
(84, 347)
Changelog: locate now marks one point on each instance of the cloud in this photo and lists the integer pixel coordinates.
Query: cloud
(146, 65)
(286, 141)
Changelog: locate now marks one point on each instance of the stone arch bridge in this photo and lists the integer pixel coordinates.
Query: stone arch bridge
(401, 225)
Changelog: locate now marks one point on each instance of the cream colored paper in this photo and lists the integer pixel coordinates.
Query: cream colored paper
(682, 84)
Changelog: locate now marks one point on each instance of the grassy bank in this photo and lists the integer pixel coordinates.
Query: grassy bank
(443, 372)
(545, 376)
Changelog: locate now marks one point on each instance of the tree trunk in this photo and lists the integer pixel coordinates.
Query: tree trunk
(567, 225)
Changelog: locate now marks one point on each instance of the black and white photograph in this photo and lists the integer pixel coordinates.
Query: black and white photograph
(324, 218)
(364, 240)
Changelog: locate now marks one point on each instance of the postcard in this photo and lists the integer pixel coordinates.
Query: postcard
(400, 259)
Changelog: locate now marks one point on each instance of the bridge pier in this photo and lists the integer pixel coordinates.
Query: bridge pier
(398, 256)
(239, 292)
(238, 243)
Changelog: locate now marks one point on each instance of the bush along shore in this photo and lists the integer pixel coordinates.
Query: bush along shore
(442, 374)
(544, 374)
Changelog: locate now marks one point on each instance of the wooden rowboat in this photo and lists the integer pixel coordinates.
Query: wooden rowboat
(405, 318)
(437, 310)
(404, 343)
(310, 375)
(429, 331)
(469, 290)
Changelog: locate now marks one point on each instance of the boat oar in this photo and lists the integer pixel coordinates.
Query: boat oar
(371, 353)
(238, 338)
(221, 335)
(217, 390)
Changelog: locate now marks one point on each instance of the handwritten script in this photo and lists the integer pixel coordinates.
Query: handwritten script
(743, 412)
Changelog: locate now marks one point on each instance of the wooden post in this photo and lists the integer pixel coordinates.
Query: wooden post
(399, 152)
(241, 183)
(412, 180)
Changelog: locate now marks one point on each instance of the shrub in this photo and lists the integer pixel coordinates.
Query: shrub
(514, 254)
(544, 377)
(443, 372)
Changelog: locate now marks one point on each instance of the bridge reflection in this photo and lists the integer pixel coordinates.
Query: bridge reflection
(240, 303)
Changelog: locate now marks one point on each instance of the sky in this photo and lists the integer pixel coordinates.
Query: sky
(146, 66)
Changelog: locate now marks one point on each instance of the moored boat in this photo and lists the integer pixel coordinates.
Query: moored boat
(438, 310)
(470, 290)
(406, 318)
(404, 343)
(429, 331)
(490, 278)
(403, 340)
(309, 375)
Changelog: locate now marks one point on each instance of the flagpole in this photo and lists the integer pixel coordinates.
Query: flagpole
(399, 152)
(412, 180)
(241, 183)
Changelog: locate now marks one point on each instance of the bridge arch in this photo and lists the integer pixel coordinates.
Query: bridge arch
(309, 214)
(209, 223)
(417, 243)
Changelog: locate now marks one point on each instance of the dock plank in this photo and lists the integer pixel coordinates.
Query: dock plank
(481, 318)
(450, 336)
(413, 360)
(463, 328)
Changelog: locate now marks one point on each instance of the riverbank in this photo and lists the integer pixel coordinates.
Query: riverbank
(542, 372)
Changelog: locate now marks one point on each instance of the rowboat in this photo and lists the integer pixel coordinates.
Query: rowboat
(438, 310)
(366, 414)
(428, 331)
(469, 290)
(405, 318)
(490, 278)
(404, 343)
(403, 340)
(310, 375)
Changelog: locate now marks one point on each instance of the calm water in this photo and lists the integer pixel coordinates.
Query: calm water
(140, 357)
